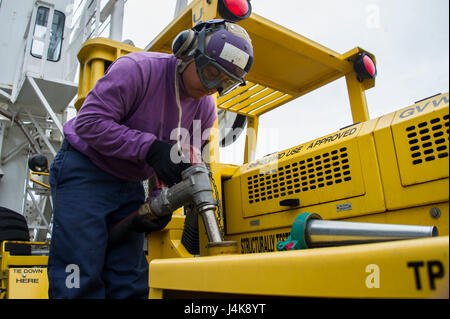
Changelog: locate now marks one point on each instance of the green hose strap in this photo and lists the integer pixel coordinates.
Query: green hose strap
(297, 238)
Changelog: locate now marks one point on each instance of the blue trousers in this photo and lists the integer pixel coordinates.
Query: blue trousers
(87, 202)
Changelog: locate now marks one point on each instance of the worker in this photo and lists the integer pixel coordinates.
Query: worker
(128, 130)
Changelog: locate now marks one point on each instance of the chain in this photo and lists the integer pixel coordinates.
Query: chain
(219, 204)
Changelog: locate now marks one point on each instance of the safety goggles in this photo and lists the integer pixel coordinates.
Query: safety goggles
(214, 76)
(211, 73)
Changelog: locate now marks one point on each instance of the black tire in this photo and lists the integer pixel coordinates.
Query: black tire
(14, 227)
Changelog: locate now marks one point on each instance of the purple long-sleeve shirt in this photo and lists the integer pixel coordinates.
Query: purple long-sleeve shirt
(132, 105)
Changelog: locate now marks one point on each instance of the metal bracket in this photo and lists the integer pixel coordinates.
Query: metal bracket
(46, 104)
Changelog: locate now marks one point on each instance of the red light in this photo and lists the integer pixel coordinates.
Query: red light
(234, 10)
(370, 66)
(364, 67)
(237, 7)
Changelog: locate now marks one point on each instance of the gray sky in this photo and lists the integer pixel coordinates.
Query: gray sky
(410, 39)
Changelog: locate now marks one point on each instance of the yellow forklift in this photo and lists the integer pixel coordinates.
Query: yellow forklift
(357, 213)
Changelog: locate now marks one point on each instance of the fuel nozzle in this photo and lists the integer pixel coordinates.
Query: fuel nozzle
(194, 189)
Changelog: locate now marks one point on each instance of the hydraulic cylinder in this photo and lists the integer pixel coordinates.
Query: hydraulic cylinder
(310, 231)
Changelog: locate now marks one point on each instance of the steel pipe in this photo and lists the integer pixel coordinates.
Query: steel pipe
(310, 231)
(211, 226)
(322, 233)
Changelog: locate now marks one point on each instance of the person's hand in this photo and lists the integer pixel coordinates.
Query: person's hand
(143, 224)
(159, 157)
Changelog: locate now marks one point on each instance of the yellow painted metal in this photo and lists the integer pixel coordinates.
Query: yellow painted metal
(422, 145)
(289, 62)
(92, 57)
(263, 99)
(336, 176)
(383, 270)
(264, 239)
(238, 95)
(356, 89)
(203, 10)
(220, 172)
(254, 102)
(23, 277)
(358, 102)
(272, 105)
(421, 215)
(26, 260)
(166, 243)
(398, 195)
(27, 283)
(7, 260)
(312, 173)
(39, 182)
(251, 139)
(155, 293)
(231, 95)
(376, 185)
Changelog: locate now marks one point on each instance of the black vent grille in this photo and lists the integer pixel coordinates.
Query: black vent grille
(429, 140)
(323, 170)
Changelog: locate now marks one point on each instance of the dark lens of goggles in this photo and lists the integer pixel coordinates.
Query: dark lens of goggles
(211, 72)
(214, 76)
(218, 79)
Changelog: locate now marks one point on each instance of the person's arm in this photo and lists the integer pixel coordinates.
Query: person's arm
(114, 96)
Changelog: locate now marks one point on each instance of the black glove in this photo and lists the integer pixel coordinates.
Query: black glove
(143, 224)
(136, 223)
(158, 157)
